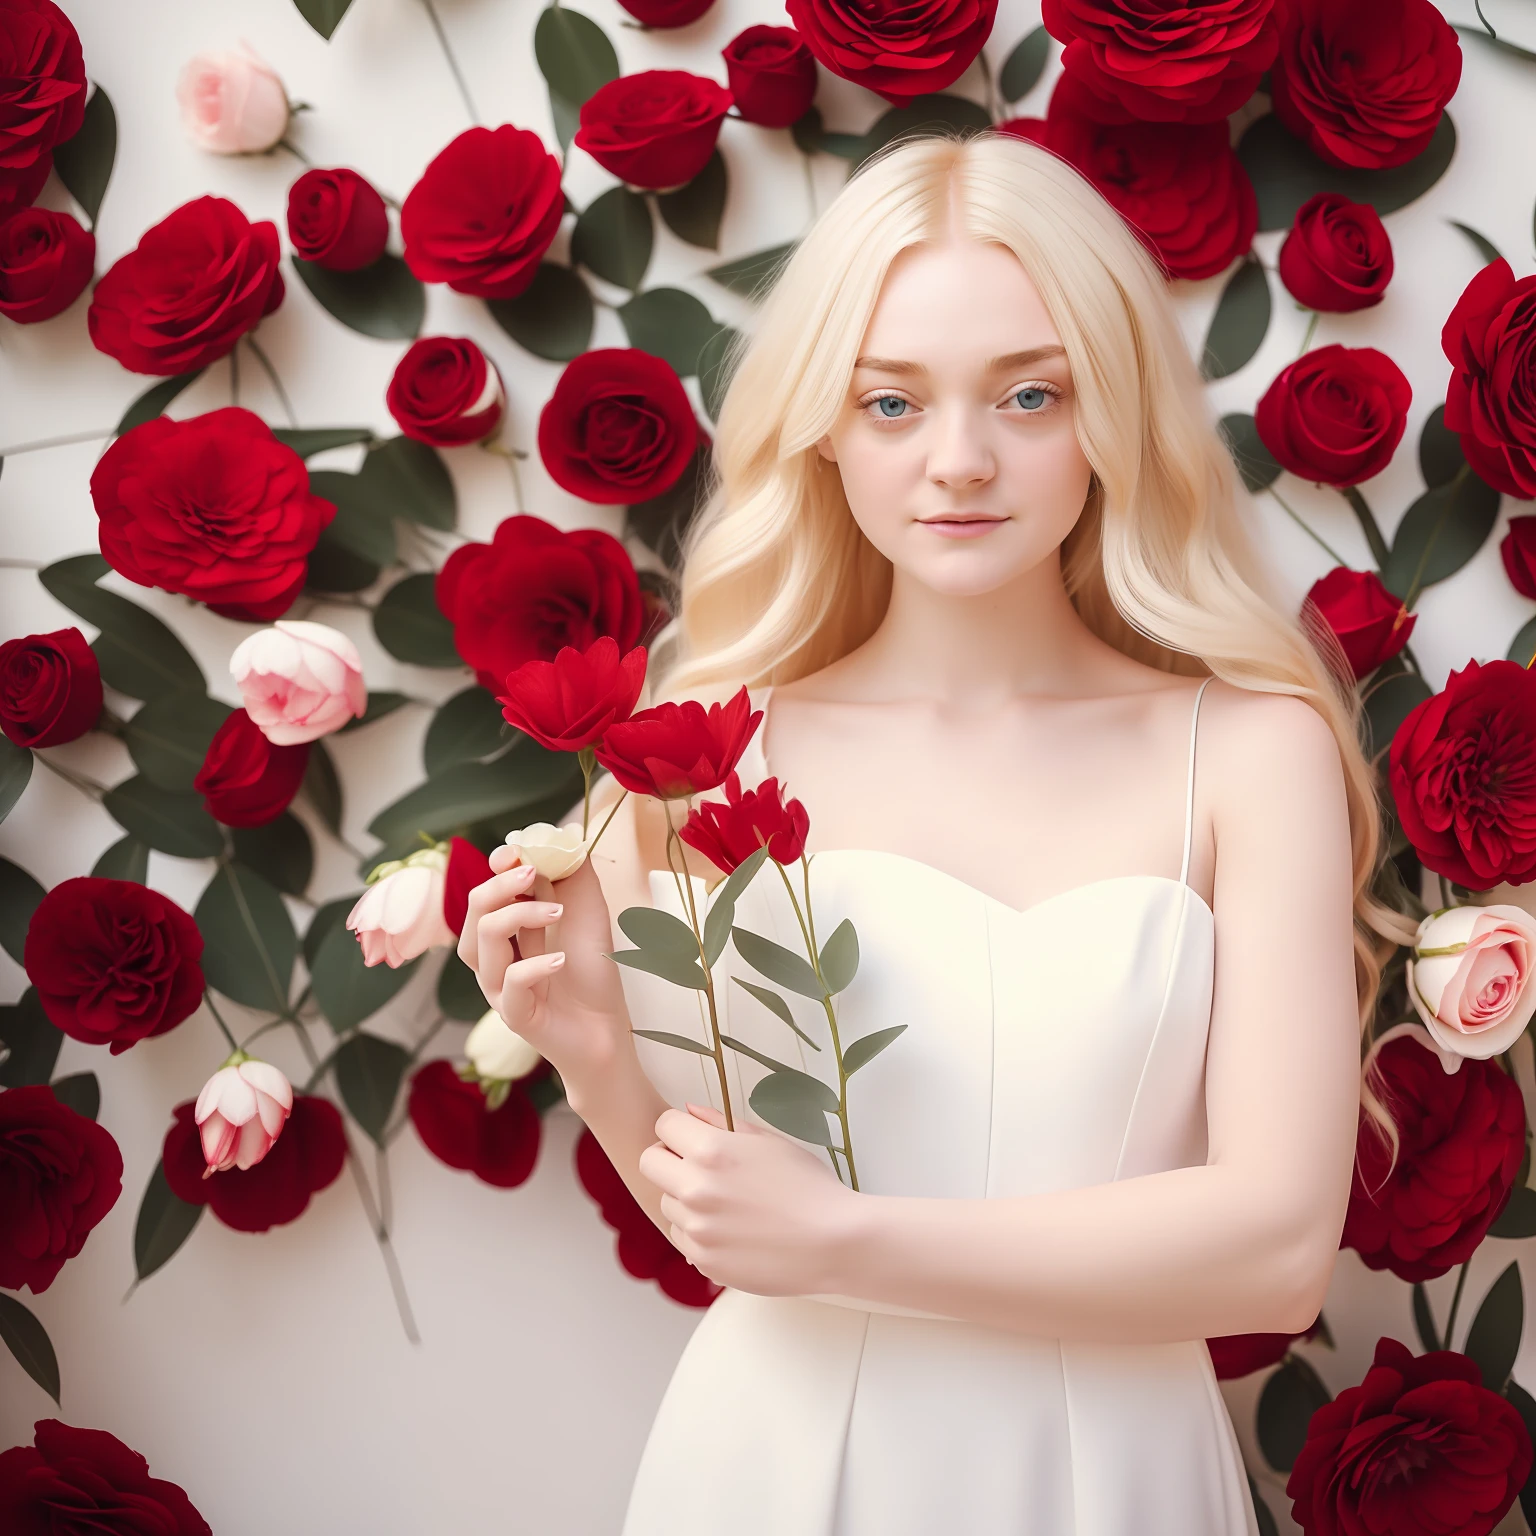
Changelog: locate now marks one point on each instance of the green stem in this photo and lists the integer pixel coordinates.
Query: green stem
(277, 383)
(1477, 5)
(219, 1020)
(1450, 1322)
(1306, 341)
(56, 442)
(1368, 526)
(994, 99)
(1312, 533)
(87, 786)
(810, 185)
(453, 63)
(234, 375)
(611, 814)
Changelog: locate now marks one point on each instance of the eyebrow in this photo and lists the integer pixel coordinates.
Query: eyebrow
(995, 365)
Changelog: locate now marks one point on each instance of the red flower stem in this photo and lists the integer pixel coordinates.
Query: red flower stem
(1450, 1322)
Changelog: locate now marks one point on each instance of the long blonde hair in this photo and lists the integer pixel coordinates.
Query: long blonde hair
(778, 581)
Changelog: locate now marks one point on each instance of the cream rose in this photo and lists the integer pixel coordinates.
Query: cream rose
(1470, 978)
(232, 102)
(498, 1052)
(554, 851)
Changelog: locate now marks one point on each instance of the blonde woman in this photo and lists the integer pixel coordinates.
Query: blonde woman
(974, 548)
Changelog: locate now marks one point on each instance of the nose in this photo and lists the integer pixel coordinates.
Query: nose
(959, 453)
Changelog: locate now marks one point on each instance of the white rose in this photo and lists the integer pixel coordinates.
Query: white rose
(497, 1051)
(1470, 977)
(554, 851)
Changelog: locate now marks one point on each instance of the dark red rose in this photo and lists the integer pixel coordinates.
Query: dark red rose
(245, 780)
(653, 129)
(568, 703)
(534, 589)
(1419, 1448)
(1462, 1135)
(302, 1161)
(1518, 552)
(499, 1146)
(1034, 130)
(46, 259)
(618, 428)
(484, 212)
(1490, 339)
(42, 88)
(78, 1480)
(1462, 768)
(1337, 257)
(63, 1173)
(728, 831)
(337, 219)
(1370, 623)
(675, 750)
(467, 868)
(1363, 83)
(113, 961)
(1241, 1354)
(1178, 185)
(1335, 415)
(193, 286)
(19, 189)
(50, 688)
(446, 392)
(666, 13)
(643, 1249)
(896, 51)
(771, 75)
(213, 507)
(1190, 62)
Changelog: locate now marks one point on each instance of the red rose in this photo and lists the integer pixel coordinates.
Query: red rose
(643, 1249)
(46, 259)
(618, 428)
(499, 1146)
(337, 219)
(445, 392)
(1462, 769)
(1335, 415)
(1190, 62)
(896, 51)
(245, 780)
(666, 13)
(534, 589)
(1337, 257)
(1517, 549)
(1419, 1448)
(1033, 130)
(42, 95)
(484, 212)
(63, 1173)
(113, 961)
(1363, 83)
(213, 507)
(88, 1480)
(303, 1160)
(568, 703)
(676, 750)
(729, 831)
(1178, 185)
(771, 75)
(193, 286)
(1490, 339)
(1241, 1354)
(50, 688)
(1462, 1135)
(653, 129)
(1371, 623)
(467, 868)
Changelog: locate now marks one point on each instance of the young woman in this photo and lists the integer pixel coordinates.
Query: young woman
(974, 549)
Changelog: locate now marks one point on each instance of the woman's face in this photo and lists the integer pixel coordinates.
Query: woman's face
(956, 443)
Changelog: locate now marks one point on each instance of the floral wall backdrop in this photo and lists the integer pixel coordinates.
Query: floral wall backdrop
(355, 358)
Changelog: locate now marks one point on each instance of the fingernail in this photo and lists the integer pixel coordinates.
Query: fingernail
(554, 908)
(556, 960)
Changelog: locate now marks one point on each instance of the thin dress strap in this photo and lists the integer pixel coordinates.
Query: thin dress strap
(1189, 793)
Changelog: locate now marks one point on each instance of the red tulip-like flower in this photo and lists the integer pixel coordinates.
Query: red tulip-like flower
(568, 703)
(467, 868)
(50, 688)
(729, 831)
(247, 780)
(1370, 623)
(677, 750)
(499, 1146)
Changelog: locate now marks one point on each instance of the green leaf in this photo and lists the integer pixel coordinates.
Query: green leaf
(466, 729)
(307, 441)
(1286, 1405)
(80, 1092)
(28, 1341)
(368, 1073)
(662, 521)
(567, 120)
(15, 771)
(384, 299)
(927, 114)
(164, 820)
(867, 1047)
(169, 736)
(777, 963)
(797, 1104)
(84, 161)
(751, 275)
(772, 1000)
(249, 942)
(840, 958)
(716, 369)
(380, 703)
(153, 401)
(574, 54)
(1493, 1340)
(411, 627)
(165, 1222)
(1518, 1218)
(19, 896)
(1439, 534)
(681, 1042)
(326, 917)
(653, 929)
(553, 317)
(126, 859)
(1440, 455)
(740, 878)
(1388, 703)
(1023, 67)
(614, 236)
(469, 792)
(361, 525)
(458, 993)
(1240, 322)
(1255, 463)
(32, 1041)
(404, 478)
(1523, 647)
(669, 324)
(346, 990)
(1480, 243)
(280, 852)
(755, 1054)
(1285, 173)
(321, 786)
(332, 567)
(323, 15)
(664, 963)
(694, 210)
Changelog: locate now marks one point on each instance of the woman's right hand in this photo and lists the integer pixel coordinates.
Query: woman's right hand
(564, 997)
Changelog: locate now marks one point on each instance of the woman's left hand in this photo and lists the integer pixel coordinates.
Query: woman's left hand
(749, 1208)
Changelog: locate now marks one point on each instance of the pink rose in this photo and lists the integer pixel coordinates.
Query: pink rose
(299, 681)
(241, 1112)
(400, 915)
(231, 102)
(1470, 979)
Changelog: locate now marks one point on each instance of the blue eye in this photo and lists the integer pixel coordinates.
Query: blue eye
(1032, 399)
(886, 400)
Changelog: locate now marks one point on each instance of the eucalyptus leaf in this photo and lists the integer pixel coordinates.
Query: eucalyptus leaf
(1023, 67)
(755, 1054)
(694, 210)
(1290, 1397)
(411, 627)
(651, 928)
(777, 963)
(84, 160)
(32, 1041)
(360, 525)
(1255, 463)
(368, 1073)
(19, 896)
(165, 1221)
(15, 772)
(867, 1047)
(333, 567)
(126, 859)
(840, 958)
(28, 1341)
(321, 786)
(401, 477)
(664, 963)
(168, 738)
(1493, 1340)
(1388, 703)
(467, 728)
(613, 237)
(308, 441)
(1440, 455)
(1240, 322)
(458, 993)
(751, 275)
(163, 819)
(345, 989)
(669, 324)
(380, 703)
(153, 401)
(1518, 1218)
(771, 1000)
(573, 53)
(1439, 534)
(80, 1091)
(280, 851)
(384, 299)
(679, 1042)
(249, 945)
(450, 801)
(797, 1104)
(323, 15)
(1480, 243)
(554, 316)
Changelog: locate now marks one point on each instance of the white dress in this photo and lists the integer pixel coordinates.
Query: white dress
(1050, 1048)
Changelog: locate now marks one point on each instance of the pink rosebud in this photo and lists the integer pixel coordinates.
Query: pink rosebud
(400, 915)
(232, 103)
(299, 681)
(241, 1112)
